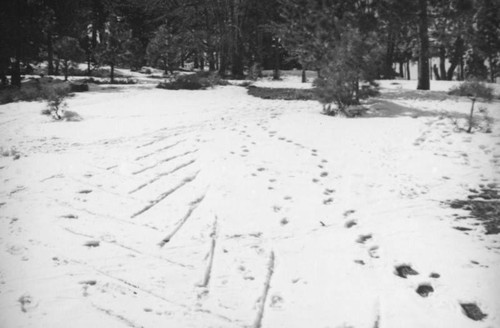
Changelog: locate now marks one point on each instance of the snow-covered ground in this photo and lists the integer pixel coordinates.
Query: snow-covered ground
(217, 209)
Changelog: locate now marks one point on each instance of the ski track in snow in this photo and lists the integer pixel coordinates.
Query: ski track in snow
(216, 209)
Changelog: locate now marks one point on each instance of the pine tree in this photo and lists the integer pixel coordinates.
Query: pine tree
(115, 42)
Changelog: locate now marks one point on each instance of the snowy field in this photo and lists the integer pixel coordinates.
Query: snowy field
(217, 209)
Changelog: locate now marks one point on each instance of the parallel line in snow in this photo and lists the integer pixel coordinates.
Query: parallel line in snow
(161, 149)
(161, 175)
(165, 195)
(164, 161)
(179, 225)
(119, 317)
(208, 270)
(151, 293)
(262, 299)
(187, 266)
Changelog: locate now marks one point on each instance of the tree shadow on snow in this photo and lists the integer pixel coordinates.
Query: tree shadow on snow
(381, 107)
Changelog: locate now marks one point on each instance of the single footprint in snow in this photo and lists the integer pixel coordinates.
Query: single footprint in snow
(348, 212)
(405, 270)
(373, 252)
(350, 224)
(473, 311)
(363, 238)
(424, 290)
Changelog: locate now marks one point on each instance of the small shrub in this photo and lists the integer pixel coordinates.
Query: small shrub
(254, 72)
(282, 93)
(79, 87)
(70, 116)
(56, 95)
(344, 92)
(481, 123)
(472, 89)
(196, 81)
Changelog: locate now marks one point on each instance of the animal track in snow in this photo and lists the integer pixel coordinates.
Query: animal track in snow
(350, 224)
(405, 270)
(363, 238)
(424, 290)
(373, 252)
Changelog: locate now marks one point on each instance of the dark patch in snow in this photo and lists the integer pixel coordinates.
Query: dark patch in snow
(350, 223)
(363, 238)
(483, 205)
(473, 311)
(434, 275)
(323, 174)
(424, 290)
(328, 201)
(359, 262)
(88, 282)
(349, 212)
(405, 270)
(69, 216)
(92, 243)
(86, 191)
(462, 228)
(328, 191)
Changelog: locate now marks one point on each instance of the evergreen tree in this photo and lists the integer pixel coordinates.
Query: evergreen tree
(114, 46)
(68, 50)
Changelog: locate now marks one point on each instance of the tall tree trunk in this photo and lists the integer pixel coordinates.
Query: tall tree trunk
(4, 65)
(276, 71)
(462, 74)
(408, 77)
(423, 58)
(401, 70)
(456, 59)
(50, 54)
(389, 57)
(304, 78)
(112, 73)
(15, 79)
(66, 69)
(436, 72)
(492, 68)
(211, 60)
(223, 60)
(442, 63)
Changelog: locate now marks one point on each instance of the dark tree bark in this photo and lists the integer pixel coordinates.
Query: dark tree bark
(112, 73)
(436, 72)
(408, 77)
(223, 60)
(276, 71)
(50, 54)
(456, 59)
(304, 79)
(492, 68)
(442, 63)
(15, 79)
(66, 69)
(389, 57)
(423, 59)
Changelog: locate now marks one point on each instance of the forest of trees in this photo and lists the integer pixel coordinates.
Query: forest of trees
(361, 38)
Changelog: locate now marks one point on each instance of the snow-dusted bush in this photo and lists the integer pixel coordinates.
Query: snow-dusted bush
(347, 72)
(474, 90)
(195, 81)
(55, 95)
